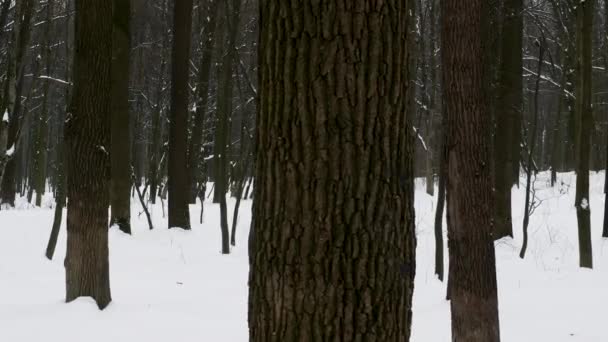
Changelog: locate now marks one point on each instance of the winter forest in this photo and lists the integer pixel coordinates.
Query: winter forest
(303, 170)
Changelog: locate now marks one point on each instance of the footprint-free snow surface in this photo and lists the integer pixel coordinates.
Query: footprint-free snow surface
(171, 285)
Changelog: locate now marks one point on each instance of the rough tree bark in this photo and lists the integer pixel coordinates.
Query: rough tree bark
(472, 278)
(87, 139)
(179, 214)
(583, 109)
(333, 265)
(120, 191)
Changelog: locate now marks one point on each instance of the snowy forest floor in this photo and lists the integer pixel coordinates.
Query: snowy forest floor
(171, 285)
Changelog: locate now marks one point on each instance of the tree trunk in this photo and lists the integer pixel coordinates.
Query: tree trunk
(473, 288)
(120, 196)
(21, 37)
(333, 265)
(208, 14)
(224, 113)
(605, 230)
(179, 215)
(157, 124)
(61, 160)
(530, 162)
(87, 138)
(584, 44)
(508, 116)
(443, 175)
(40, 148)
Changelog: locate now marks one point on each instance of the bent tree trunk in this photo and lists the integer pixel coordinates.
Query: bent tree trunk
(333, 265)
(87, 139)
(472, 275)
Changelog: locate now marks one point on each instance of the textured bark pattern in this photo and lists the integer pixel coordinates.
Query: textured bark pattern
(87, 141)
(120, 193)
(472, 283)
(584, 121)
(508, 116)
(179, 215)
(332, 243)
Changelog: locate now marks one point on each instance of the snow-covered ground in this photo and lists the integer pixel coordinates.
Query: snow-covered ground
(170, 285)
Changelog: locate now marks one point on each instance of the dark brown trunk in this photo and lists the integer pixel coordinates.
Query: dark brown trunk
(224, 114)
(87, 138)
(508, 116)
(584, 25)
(179, 215)
(338, 264)
(443, 175)
(120, 196)
(472, 278)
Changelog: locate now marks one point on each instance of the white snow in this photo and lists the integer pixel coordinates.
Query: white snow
(5, 116)
(171, 285)
(11, 150)
(585, 204)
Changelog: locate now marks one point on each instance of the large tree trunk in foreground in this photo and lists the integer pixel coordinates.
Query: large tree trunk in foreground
(583, 109)
(87, 140)
(179, 215)
(120, 193)
(333, 245)
(473, 288)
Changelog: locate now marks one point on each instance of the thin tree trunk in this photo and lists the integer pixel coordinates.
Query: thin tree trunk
(224, 112)
(61, 160)
(443, 175)
(473, 286)
(179, 214)
(157, 124)
(120, 199)
(40, 149)
(584, 23)
(87, 137)
(208, 14)
(605, 228)
(532, 144)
